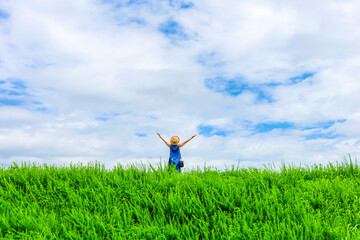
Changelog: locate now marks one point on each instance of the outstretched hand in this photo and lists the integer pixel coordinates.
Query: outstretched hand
(182, 144)
(163, 140)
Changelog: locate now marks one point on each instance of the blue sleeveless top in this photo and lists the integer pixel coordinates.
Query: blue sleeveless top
(175, 156)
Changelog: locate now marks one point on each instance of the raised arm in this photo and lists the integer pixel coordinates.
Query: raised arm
(182, 144)
(164, 140)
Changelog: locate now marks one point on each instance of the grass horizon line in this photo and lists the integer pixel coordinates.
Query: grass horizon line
(161, 165)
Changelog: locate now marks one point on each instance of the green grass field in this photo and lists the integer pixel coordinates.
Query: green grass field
(90, 202)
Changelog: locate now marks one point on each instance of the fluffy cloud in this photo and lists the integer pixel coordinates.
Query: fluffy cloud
(99, 78)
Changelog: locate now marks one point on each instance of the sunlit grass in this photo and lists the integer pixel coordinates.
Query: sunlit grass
(139, 202)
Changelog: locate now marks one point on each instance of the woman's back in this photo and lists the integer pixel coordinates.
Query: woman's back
(175, 154)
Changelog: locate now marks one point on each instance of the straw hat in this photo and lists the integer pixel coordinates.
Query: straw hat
(174, 140)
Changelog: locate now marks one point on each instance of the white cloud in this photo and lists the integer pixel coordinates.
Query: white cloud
(106, 73)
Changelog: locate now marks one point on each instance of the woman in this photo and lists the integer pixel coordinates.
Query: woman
(175, 155)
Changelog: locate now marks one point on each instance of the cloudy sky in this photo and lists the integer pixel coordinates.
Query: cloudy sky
(260, 82)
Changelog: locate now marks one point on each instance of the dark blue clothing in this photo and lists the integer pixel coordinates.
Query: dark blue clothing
(175, 156)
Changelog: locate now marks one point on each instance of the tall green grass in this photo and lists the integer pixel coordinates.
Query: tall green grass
(90, 202)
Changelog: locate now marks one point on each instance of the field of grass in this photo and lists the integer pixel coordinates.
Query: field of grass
(90, 202)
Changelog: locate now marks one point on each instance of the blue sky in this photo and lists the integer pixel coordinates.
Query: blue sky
(257, 82)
